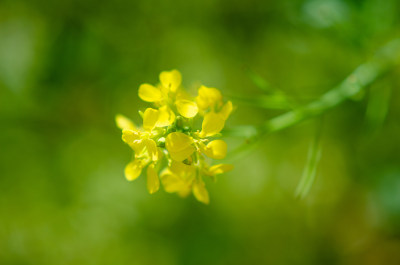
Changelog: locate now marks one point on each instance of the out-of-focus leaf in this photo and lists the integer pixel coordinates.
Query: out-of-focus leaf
(18, 52)
(260, 82)
(310, 170)
(274, 98)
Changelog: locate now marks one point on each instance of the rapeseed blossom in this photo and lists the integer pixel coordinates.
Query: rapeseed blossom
(168, 146)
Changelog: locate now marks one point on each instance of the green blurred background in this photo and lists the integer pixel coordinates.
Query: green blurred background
(67, 67)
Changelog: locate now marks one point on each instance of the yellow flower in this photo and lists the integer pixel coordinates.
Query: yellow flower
(157, 118)
(124, 123)
(181, 178)
(200, 192)
(145, 148)
(210, 99)
(142, 142)
(169, 137)
(186, 108)
(178, 178)
(170, 81)
(165, 116)
(166, 95)
(179, 146)
(133, 169)
(150, 93)
(153, 182)
(150, 118)
(214, 122)
(215, 149)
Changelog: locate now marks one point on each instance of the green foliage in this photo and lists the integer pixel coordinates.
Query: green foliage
(68, 67)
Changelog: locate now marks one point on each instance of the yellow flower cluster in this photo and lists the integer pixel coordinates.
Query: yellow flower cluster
(168, 142)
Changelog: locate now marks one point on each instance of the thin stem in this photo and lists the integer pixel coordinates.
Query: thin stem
(385, 59)
(363, 76)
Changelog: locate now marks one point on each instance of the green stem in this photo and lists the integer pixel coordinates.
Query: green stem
(385, 59)
(363, 76)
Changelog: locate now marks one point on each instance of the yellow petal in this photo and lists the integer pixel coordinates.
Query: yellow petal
(124, 123)
(138, 146)
(213, 123)
(129, 136)
(163, 90)
(187, 108)
(133, 139)
(182, 154)
(178, 178)
(172, 183)
(186, 172)
(150, 118)
(177, 141)
(212, 94)
(152, 149)
(150, 93)
(179, 146)
(153, 182)
(208, 97)
(171, 80)
(219, 169)
(226, 110)
(133, 170)
(216, 149)
(202, 103)
(166, 116)
(200, 192)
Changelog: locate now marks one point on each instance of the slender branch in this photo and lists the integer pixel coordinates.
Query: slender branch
(364, 75)
(385, 59)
